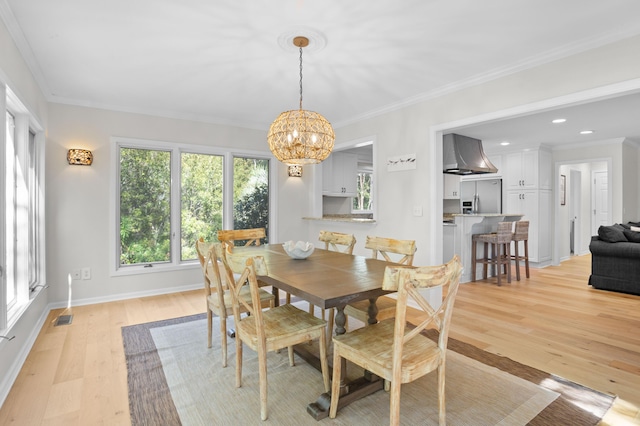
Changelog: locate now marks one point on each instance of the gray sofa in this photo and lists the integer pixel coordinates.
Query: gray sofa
(615, 259)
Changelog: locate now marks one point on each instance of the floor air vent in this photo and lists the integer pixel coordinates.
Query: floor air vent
(63, 320)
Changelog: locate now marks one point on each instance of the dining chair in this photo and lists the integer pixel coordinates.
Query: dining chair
(521, 233)
(402, 251)
(500, 259)
(397, 353)
(272, 329)
(219, 300)
(246, 237)
(340, 242)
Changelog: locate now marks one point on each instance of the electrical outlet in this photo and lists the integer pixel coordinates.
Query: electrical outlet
(86, 273)
(417, 210)
(75, 274)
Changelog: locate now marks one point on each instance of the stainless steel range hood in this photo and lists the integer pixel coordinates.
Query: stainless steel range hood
(463, 155)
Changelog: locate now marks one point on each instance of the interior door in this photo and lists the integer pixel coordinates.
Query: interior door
(575, 203)
(600, 201)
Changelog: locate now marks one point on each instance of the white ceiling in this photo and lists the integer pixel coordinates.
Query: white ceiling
(232, 61)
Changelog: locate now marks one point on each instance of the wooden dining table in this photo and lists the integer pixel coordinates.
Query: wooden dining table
(326, 279)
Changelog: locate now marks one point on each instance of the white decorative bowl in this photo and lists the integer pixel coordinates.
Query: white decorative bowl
(298, 249)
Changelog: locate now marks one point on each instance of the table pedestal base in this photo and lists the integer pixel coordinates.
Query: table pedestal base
(356, 389)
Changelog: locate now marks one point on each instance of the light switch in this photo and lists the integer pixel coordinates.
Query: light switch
(417, 210)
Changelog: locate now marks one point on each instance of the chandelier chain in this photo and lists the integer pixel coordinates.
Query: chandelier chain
(300, 77)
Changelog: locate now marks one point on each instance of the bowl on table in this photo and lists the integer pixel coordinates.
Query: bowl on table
(298, 249)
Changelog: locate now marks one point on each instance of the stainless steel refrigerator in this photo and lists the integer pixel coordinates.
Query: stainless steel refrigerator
(481, 196)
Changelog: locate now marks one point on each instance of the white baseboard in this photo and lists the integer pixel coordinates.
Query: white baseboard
(125, 296)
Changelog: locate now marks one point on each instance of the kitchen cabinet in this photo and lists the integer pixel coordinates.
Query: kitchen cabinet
(451, 187)
(535, 205)
(528, 170)
(339, 175)
(449, 243)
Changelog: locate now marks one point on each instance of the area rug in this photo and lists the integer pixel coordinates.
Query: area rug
(174, 379)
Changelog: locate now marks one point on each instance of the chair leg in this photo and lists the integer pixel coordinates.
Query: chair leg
(335, 384)
(324, 364)
(292, 361)
(262, 361)
(507, 262)
(288, 298)
(223, 340)
(209, 326)
(517, 259)
(526, 257)
(485, 266)
(238, 363)
(394, 406)
(473, 260)
(497, 264)
(441, 396)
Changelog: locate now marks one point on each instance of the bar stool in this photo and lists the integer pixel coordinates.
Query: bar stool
(521, 234)
(500, 242)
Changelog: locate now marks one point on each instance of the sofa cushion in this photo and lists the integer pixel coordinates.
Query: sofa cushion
(612, 234)
(632, 236)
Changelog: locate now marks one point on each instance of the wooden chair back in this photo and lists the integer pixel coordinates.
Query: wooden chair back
(521, 232)
(384, 246)
(215, 279)
(407, 282)
(202, 248)
(246, 270)
(253, 236)
(338, 241)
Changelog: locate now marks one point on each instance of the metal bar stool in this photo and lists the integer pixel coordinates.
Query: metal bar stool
(521, 234)
(500, 243)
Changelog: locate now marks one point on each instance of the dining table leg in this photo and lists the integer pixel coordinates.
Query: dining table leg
(372, 311)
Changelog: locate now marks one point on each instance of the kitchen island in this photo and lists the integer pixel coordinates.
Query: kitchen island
(469, 224)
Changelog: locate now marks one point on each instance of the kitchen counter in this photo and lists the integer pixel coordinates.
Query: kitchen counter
(343, 218)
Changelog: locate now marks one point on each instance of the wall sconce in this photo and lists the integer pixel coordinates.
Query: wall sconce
(295, 170)
(81, 157)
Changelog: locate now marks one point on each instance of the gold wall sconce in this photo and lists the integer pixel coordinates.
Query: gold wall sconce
(80, 157)
(295, 170)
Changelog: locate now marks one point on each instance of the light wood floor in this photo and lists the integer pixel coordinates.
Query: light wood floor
(76, 374)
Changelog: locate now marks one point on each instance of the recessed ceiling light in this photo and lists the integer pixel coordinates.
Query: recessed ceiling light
(505, 143)
(559, 120)
(586, 132)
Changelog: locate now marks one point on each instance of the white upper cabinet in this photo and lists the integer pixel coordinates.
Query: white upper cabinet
(339, 175)
(527, 170)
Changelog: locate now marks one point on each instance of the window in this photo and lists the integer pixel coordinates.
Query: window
(21, 254)
(251, 194)
(202, 202)
(160, 217)
(363, 201)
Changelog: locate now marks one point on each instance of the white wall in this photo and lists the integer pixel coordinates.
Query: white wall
(78, 209)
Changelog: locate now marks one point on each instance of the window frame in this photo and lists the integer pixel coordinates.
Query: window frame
(27, 253)
(176, 149)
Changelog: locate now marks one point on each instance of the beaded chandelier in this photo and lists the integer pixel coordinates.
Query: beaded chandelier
(300, 136)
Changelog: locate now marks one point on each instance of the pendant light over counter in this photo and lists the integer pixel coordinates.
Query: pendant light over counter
(300, 136)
